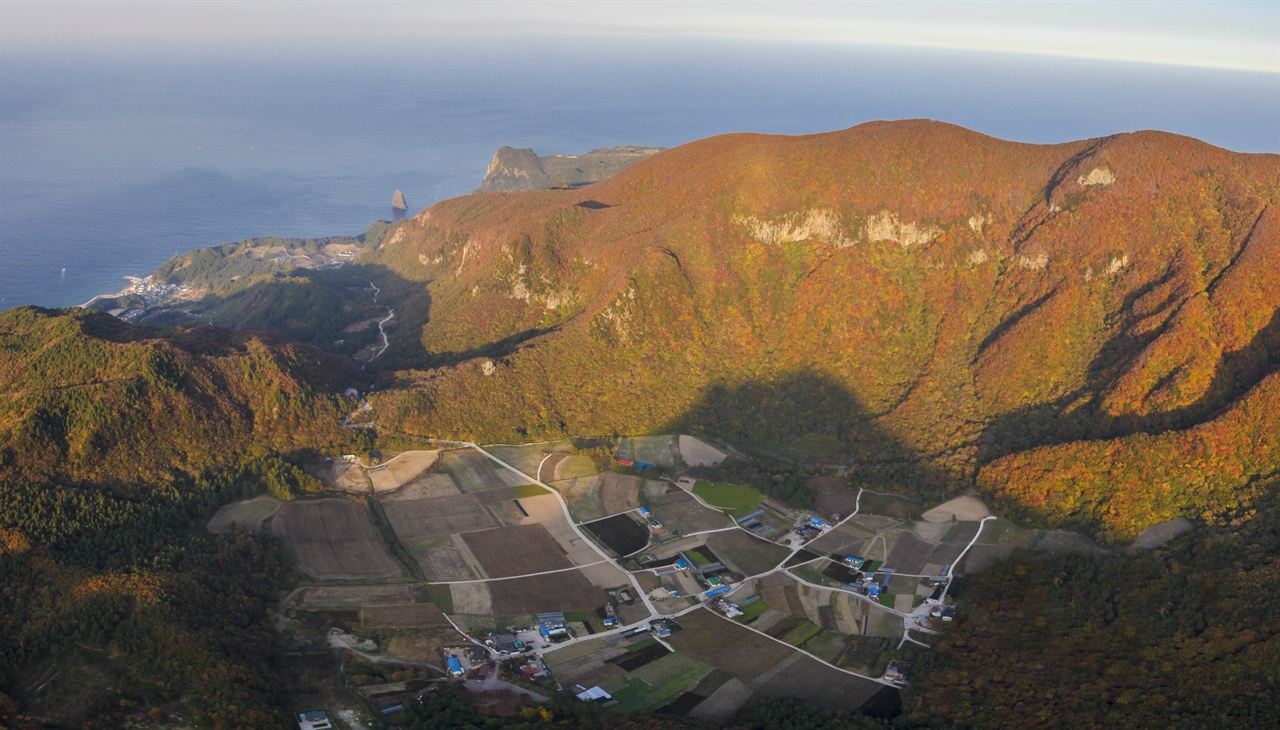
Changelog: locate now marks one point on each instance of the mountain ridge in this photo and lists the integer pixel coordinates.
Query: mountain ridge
(966, 291)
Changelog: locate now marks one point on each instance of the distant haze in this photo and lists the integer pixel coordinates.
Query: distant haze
(113, 160)
(1237, 35)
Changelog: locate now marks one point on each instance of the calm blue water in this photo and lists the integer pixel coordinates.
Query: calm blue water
(109, 165)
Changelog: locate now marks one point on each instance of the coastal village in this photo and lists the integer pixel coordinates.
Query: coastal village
(519, 571)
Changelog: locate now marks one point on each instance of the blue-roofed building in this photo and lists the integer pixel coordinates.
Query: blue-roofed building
(314, 720)
(455, 666)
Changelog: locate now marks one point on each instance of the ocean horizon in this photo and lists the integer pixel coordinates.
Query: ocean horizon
(111, 164)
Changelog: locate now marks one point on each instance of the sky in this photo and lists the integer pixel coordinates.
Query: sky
(1240, 35)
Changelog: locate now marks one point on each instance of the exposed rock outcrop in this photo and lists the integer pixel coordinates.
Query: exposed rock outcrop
(514, 170)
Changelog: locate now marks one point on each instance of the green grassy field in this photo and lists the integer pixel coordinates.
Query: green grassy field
(577, 466)
(657, 683)
(828, 645)
(809, 573)
(802, 633)
(737, 500)
(752, 610)
(441, 596)
(529, 490)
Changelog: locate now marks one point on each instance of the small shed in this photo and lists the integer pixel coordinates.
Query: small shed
(314, 720)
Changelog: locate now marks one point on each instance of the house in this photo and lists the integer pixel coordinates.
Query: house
(935, 597)
(506, 643)
(455, 666)
(717, 591)
(661, 629)
(728, 608)
(314, 720)
(644, 511)
(626, 462)
(853, 561)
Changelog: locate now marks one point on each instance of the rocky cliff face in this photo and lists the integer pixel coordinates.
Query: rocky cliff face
(517, 170)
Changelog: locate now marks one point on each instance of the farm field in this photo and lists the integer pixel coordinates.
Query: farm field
(333, 539)
(567, 591)
(696, 452)
(746, 553)
(247, 514)
(475, 472)
(525, 458)
(620, 533)
(965, 508)
(546, 511)
(738, 500)
(720, 706)
(587, 663)
(728, 646)
(580, 493)
(907, 553)
(617, 492)
(660, 450)
(888, 505)
(833, 496)
(410, 616)
(447, 559)
(683, 514)
(847, 539)
(401, 469)
(803, 677)
(355, 596)
(421, 520)
(520, 550)
(427, 485)
(656, 683)
(568, 466)
(470, 598)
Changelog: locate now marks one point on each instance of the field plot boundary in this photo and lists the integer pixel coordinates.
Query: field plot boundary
(508, 552)
(334, 539)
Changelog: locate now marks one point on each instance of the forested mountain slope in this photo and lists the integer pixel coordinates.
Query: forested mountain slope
(86, 397)
(929, 298)
(114, 440)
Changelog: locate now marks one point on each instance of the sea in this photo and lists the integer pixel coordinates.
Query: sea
(113, 161)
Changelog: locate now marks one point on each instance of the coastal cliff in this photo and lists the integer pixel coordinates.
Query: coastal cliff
(515, 170)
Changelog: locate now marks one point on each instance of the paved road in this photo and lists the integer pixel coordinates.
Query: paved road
(910, 620)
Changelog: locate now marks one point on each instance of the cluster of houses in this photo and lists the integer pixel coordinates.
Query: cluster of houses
(728, 608)
(553, 627)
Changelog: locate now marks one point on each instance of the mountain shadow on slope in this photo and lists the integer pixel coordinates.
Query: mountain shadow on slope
(812, 419)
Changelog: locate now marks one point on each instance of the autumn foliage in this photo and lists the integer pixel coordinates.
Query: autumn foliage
(931, 298)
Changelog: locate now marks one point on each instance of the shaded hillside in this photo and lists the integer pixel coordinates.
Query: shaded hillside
(114, 440)
(974, 297)
(86, 397)
(514, 170)
(1187, 636)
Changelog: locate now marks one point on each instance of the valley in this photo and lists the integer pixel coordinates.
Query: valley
(714, 603)
(868, 411)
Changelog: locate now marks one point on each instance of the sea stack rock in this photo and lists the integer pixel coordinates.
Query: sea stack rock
(397, 201)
